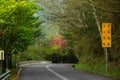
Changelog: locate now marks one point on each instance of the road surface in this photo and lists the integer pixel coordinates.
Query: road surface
(56, 72)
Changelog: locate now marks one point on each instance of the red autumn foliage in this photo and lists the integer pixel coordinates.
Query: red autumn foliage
(59, 41)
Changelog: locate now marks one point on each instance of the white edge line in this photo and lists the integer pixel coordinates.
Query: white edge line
(58, 75)
(19, 73)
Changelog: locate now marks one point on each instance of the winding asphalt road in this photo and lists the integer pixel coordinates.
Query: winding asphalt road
(40, 71)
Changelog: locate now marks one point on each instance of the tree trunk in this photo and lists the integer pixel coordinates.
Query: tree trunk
(9, 61)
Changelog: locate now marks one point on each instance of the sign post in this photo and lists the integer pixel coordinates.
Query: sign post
(106, 40)
(106, 58)
(1, 58)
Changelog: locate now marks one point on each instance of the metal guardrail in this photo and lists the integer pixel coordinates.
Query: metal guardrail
(5, 76)
(27, 63)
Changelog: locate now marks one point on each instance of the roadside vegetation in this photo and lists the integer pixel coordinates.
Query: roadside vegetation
(80, 23)
(60, 31)
(99, 69)
(14, 74)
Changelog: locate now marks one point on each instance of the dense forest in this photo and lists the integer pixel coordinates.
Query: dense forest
(60, 31)
(80, 23)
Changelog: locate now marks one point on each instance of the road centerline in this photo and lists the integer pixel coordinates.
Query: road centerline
(55, 73)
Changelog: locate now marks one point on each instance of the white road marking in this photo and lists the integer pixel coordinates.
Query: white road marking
(55, 73)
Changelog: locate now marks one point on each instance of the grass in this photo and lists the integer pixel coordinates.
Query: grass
(100, 69)
(14, 73)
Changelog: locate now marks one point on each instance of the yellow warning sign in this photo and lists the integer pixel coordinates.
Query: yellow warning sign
(106, 35)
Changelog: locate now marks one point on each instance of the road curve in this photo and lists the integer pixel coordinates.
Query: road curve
(56, 72)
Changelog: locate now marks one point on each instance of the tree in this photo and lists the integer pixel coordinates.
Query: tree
(17, 22)
(80, 23)
(59, 42)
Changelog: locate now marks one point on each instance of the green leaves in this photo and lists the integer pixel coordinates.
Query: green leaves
(16, 20)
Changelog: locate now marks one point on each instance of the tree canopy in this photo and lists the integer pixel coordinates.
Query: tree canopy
(80, 23)
(17, 22)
